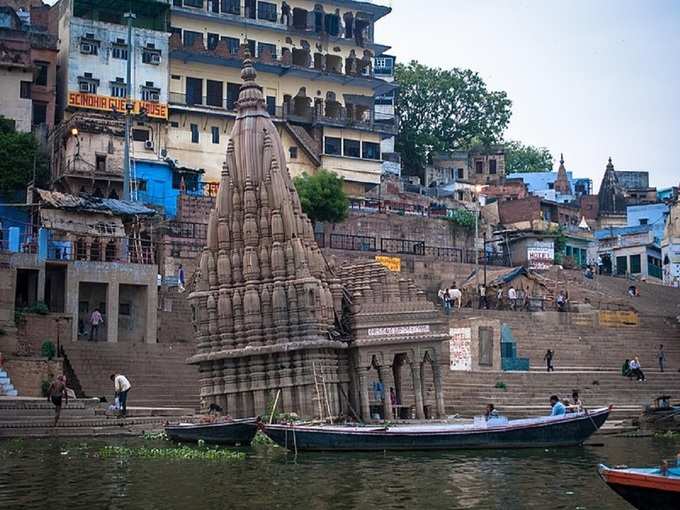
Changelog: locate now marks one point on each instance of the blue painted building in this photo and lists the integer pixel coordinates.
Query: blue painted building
(543, 184)
(653, 215)
(16, 217)
(159, 184)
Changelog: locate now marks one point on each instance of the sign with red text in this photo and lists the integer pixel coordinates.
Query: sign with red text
(110, 104)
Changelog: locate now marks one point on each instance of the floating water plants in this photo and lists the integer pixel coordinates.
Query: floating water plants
(155, 436)
(179, 453)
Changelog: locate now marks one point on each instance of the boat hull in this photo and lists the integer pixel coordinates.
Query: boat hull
(238, 432)
(567, 432)
(643, 491)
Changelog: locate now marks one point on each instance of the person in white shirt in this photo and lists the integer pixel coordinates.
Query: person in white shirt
(121, 386)
(456, 296)
(512, 296)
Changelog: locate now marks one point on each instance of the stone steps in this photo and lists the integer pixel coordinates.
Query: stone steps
(6, 386)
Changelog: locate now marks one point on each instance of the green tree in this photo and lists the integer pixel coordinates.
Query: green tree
(526, 158)
(18, 153)
(442, 110)
(322, 196)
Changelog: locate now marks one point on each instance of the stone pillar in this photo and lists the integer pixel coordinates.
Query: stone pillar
(363, 395)
(438, 390)
(418, 390)
(112, 297)
(41, 284)
(386, 377)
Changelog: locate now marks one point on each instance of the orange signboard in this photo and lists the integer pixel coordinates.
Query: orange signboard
(109, 104)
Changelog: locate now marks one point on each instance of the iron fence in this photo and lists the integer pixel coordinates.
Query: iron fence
(352, 242)
(402, 246)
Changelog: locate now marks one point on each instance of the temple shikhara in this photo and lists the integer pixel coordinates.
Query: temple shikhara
(272, 316)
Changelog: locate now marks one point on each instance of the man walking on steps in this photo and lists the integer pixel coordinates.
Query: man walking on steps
(57, 394)
(121, 386)
(548, 360)
(661, 356)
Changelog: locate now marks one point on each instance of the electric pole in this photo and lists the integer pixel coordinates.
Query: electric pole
(129, 106)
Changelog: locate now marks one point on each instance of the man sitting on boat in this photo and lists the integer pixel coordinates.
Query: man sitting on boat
(558, 408)
(491, 413)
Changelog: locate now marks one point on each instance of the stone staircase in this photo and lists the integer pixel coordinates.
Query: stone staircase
(6, 387)
(158, 372)
(587, 358)
(31, 417)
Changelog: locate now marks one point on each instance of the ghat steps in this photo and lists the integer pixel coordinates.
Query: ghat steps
(6, 387)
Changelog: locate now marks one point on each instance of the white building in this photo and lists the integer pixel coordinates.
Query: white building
(670, 248)
(385, 109)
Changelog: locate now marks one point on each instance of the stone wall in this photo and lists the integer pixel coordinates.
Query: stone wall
(33, 329)
(27, 374)
(174, 316)
(433, 231)
(194, 209)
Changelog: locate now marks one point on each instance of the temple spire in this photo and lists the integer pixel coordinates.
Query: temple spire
(562, 182)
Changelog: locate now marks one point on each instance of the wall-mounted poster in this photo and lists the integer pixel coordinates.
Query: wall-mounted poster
(541, 254)
(459, 347)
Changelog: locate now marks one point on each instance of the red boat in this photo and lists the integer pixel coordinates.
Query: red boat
(645, 488)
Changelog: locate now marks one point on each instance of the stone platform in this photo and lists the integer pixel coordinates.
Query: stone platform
(33, 417)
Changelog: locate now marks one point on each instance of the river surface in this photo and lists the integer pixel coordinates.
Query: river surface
(69, 474)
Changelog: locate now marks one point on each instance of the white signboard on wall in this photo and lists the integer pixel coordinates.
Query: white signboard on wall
(460, 340)
(541, 254)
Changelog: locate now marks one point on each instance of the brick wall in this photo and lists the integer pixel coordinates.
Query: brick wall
(194, 209)
(515, 211)
(34, 329)
(27, 374)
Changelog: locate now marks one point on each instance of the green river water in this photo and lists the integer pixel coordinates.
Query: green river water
(68, 474)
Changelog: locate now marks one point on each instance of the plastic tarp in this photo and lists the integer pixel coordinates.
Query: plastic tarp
(89, 203)
(95, 225)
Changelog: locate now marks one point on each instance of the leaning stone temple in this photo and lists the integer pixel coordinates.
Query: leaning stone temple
(273, 318)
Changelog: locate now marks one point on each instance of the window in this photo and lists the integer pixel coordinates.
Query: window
(39, 113)
(293, 152)
(635, 266)
(151, 56)
(174, 124)
(140, 184)
(213, 39)
(190, 181)
(214, 90)
(193, 3)
(492, 166)
(88, 46)
(194, 91)
(100, 162)
(87, 84)
(644, 221)
(118, 88)
(262, 47)
(40, 74)
(215, 134)
(233, 90)
(175, 77)
(266, 11)
(251, 46)
(233, 44)
(190, 36)
(370, 150)
(333, 146)
(352, 148)
(271, 105)
(151, 93)
(250, 11)
(332, 24)
(119, 50)
(25, 90)
(461, 173)
(231, 6)
(140, 135)
(479, 167)
(194, 133)
(124, 309)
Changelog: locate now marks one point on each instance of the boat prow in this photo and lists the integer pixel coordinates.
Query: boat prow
(644, 488)
(234, 432)
(549, 431)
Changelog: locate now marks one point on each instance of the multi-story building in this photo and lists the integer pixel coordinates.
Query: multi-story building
(28, 66)
(384, 67)
(315, 65)
(479, 165)
(88, 145)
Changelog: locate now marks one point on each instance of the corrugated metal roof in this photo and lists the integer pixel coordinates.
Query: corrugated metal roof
(92, 204)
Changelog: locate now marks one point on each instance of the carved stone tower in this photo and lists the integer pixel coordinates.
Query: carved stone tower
(562, 182)
(265, 303)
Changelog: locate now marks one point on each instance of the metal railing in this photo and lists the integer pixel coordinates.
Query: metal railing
(320, 239)
(402, 246)
(352, 242)
(102, 249)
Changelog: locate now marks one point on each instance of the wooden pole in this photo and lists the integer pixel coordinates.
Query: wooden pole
(276, 402)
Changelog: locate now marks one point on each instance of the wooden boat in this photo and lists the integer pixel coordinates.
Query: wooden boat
(549, 431)
(235, 432)
(645, 488)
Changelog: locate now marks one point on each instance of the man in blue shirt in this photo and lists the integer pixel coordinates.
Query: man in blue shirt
(558, 408)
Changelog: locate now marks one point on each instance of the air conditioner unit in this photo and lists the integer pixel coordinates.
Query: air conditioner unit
(155, 97)
(155, 58)
(148, 145)
(84, 87)
(86, 48)
(164, 153)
